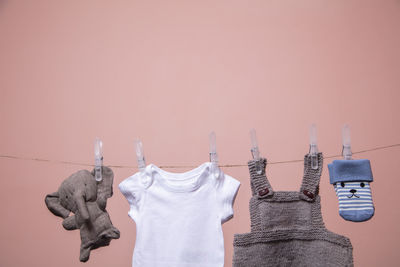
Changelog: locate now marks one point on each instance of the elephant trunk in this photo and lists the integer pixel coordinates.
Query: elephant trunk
(81, 205)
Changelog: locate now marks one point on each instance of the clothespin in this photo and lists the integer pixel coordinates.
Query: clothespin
(98, 159)
(213, 155)
(141, 163)
(255, 152)
(313, 147)
(346, 140)
(139, 155)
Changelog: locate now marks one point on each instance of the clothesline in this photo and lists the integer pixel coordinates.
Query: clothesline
(189, 166)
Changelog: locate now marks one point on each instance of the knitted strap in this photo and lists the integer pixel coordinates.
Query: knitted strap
(260, 186)
(310, 185)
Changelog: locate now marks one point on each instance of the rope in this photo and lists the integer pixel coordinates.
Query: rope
(189, 166)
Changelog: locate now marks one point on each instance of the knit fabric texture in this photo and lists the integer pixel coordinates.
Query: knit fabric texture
(355, 170)
(287, 227)
(86, 198)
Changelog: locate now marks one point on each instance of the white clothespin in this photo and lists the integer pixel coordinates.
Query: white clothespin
(255, 152)
(346, 140)
(313, 147)
(141, 162)
(98, 159)
(139, 155)
(213, 155)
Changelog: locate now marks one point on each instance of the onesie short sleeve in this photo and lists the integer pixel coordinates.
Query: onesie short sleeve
(226, 191)
(133, 191)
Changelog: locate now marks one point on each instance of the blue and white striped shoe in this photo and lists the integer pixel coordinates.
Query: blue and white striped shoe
(351, 180)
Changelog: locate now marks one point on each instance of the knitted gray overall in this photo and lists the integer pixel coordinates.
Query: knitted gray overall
(287, 227)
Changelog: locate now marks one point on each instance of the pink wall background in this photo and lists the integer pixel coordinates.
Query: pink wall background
(170, 72)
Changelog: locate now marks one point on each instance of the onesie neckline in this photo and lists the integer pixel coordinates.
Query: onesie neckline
(180, 181)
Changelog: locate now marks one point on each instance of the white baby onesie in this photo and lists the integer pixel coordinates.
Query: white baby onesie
(179, 216)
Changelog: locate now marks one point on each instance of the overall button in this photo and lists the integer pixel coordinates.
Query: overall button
(263, 192)
(308, 193)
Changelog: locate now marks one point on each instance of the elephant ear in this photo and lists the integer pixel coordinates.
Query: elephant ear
(53, 204)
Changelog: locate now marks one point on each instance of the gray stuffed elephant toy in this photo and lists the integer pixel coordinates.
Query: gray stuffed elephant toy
(86, 198)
